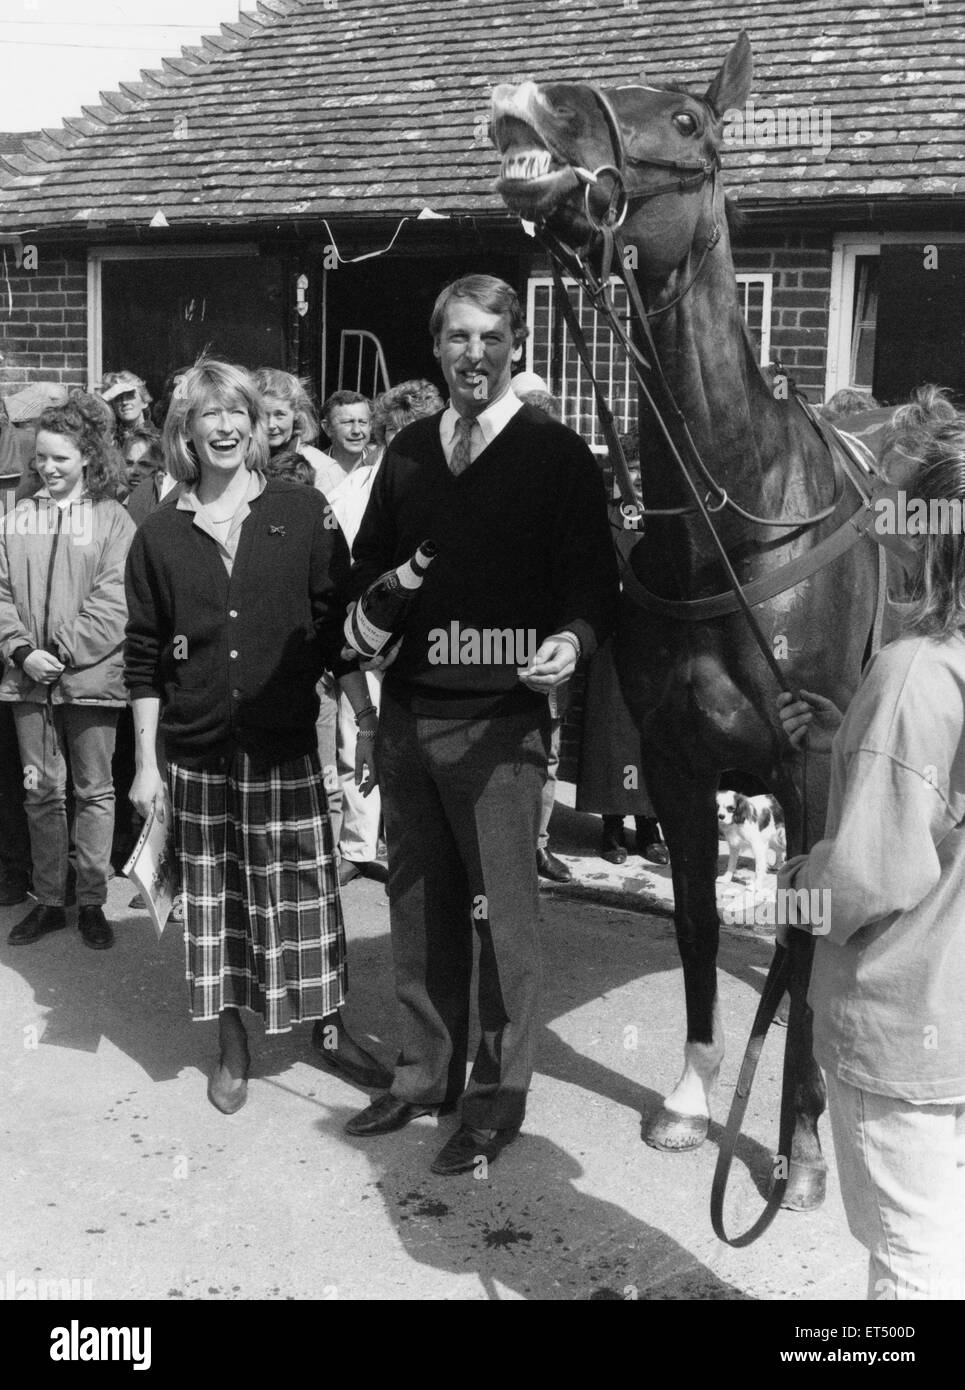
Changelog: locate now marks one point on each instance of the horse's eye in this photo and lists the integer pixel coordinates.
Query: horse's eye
(685, 123)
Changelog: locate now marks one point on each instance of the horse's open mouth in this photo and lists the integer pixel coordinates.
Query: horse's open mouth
(531, 180)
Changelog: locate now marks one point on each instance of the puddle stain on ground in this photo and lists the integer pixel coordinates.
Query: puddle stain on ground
(503, 1237)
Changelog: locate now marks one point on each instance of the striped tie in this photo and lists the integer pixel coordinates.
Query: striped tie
(461, 457)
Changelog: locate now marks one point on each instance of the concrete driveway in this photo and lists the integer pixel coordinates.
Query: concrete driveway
(118, 1172)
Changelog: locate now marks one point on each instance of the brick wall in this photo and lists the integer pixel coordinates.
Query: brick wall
(43, 321)
(800, 263)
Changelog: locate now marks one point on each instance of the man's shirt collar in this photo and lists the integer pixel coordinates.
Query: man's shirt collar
(491, 421)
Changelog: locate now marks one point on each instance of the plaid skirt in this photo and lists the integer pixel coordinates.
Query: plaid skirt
(263, 926)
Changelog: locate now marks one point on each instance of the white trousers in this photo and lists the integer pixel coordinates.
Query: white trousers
(359, 836)
(902, 1173)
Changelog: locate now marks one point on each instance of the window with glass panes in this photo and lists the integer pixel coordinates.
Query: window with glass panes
(553, 356)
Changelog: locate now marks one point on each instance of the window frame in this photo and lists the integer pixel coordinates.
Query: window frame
(848, 247)
(97, 255)
(545, 281)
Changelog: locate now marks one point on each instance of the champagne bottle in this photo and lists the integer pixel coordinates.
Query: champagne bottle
(380, 613)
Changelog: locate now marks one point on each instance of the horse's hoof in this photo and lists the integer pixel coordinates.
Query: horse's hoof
(675, 1133)
(806, 1186)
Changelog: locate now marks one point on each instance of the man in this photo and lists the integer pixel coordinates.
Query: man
(345, 476)
(524, 584)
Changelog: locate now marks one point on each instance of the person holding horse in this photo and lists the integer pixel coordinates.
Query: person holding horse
(889, 974)
(515, 504)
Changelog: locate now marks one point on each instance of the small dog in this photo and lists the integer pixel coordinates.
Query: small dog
(753, 825)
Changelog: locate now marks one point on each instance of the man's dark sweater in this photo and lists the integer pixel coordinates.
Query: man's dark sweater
(524, 551)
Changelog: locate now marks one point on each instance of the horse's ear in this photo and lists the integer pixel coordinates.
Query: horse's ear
(732, 85)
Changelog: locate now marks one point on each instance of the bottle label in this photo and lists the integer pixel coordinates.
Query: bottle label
(363, 635)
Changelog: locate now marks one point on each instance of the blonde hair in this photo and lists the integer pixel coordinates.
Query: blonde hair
(226, 384)
(930, 432)
(402, 404)
(296, 394)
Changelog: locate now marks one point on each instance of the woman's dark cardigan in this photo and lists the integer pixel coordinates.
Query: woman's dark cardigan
(235, 660)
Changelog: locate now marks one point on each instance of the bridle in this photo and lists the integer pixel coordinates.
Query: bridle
(708, 495)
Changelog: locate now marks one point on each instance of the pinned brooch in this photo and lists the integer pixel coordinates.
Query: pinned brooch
(276, 530)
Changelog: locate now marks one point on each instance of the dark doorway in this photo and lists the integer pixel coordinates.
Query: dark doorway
(920, 333)
(392, 297)
(160, 314)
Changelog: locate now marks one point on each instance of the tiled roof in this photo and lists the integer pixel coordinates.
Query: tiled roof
(312, 108)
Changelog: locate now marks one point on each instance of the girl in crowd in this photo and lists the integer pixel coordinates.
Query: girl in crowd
(291, 425)
(235, 592)
(889, 971)
(62, 614)
(130, 401)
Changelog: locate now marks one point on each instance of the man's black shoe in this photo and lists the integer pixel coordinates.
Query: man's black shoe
(548, 866)
(650, 842)
(94, 927)
(13, 891)
(462, 1152)
(613, 845)
(37, 923)
(387, 1113)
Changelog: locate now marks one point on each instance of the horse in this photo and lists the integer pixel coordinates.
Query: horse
(702, 693)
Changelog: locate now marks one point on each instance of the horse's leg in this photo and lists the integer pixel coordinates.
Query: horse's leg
(687, 811)
(807, 1169)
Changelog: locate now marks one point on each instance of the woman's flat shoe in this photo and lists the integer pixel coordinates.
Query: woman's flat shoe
(226, 1092)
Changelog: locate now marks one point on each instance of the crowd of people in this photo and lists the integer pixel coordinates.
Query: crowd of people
(186, 576)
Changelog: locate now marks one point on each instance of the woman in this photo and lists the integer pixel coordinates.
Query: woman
(889, 963)
(235, 597)
(400, 405)
(62, 615)
(291, 424)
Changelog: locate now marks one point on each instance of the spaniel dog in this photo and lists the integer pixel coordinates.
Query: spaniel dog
(751, 825)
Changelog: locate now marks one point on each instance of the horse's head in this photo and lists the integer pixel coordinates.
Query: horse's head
(567, 147)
